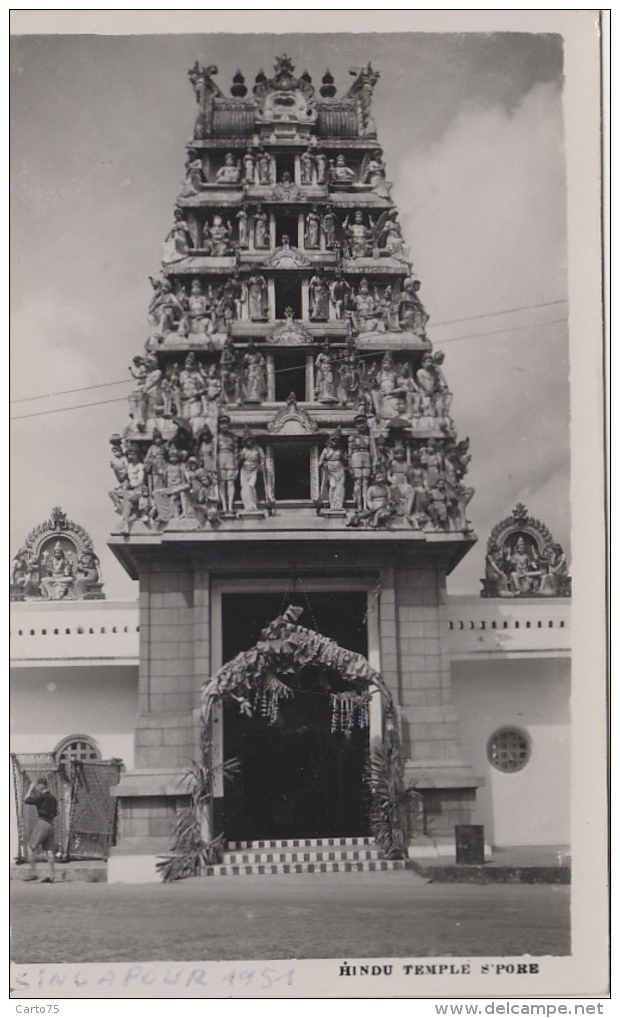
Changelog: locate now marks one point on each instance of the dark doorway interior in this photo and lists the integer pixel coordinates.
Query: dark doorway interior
(291, 467)
(288, 295)
(297, 778)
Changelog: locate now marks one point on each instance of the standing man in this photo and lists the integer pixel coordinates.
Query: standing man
(43, 835)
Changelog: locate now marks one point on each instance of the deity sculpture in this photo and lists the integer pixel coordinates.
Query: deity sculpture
(229, 372)
(318, 291)
(194, 174)
(388, 394)
(261, 229)
(439, 505)
(428, 384)
(164, 309)
(411, 314)
(248, 168)
(134, 504)
(324, 390)
(442, 394)
(155, 461)
(525, 569)
(192, 389)
(364, 309)
(380, 505)
(400, 477)
(410, 391)
(230, 172)
(312, 232)
(320, 161)
(264, 168)
(258, 299)
(219, 237)
(87, 574)
(389, 238)
(555, 581)
(178, 241)
(255, 375)
(58, 579)
(243, 229)
(251, 464)
(358, 236)
(339, 291)
(418, 515)
(227, 464)
(360, 459)
(143, 402)
(197, 319)
(212, 394)
(167, 502)
(349, 377)
(333, 473)
(339, 172)
(305, 165)
(373, 173)
(170, 391)
(432, 462)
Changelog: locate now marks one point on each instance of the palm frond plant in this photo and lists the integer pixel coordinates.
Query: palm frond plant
(391, 800)
(195, 848)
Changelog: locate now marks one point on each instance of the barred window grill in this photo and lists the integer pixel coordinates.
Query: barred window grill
(76, 747)
(508, 750)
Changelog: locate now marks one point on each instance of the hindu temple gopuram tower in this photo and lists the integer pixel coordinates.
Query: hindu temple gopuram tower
(290, 440)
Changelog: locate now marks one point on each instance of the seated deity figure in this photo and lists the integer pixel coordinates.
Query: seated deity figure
(339, 172)
(87, 574)
(554, 580)
(163, 311)
(333, 473)
(261, 229)
(319, 297)
(374, 174)
(251, 464)
(411, 314)
(359, 237)
(525, 572)
(219, 237)
(324, 386)
(167, 502)
(305, 165)
(58, 579)
(230, 172)
(178, 241)
(255, 375)
(380, 507)
(360, 459)
(258, 299)
(312, 232)
(365, 313)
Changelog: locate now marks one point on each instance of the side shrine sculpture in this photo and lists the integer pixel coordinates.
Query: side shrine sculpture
(524, 560)
(57, 562)
(278, 378)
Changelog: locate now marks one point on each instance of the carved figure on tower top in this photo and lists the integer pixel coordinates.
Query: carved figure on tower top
(230, 172)
(178, 242)
(312, 232)
(412, 316)
(265, 174)
(249, 167)
(360, 459)
(164, 309)
(251, 465)
(339, 291)
(324, 383)
(329, 227)
(333, 473)
(361, 91)
(321, 163)
(261, 229)
(373, 173)
(358, 236)
(339, 172)
(219, 237)
(255, 375)
(205, 90)
(306, 163)
(318, 291)
(258, 300)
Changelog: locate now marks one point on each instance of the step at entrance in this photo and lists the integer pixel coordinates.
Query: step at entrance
(304, 855)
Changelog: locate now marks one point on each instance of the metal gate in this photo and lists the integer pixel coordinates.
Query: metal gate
(86, 824)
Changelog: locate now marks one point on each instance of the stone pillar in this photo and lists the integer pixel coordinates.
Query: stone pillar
(418, 659)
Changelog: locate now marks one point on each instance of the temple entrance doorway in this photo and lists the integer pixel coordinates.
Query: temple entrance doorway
(297, 777)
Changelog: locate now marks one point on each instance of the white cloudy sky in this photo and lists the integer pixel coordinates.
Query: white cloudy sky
(472, 130)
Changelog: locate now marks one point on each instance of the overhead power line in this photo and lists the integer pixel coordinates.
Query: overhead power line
(451, 321)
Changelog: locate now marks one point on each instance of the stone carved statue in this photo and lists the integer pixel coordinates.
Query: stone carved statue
(219, 237)
(230, 172)
(319, 298)
(320, 161)
(251, 465)
(264, 168)
(400, 479)
(411, 314)
(243, 229)
(329, 228)
(324, 385)
(373, 173)
(178, 241)
(249, 167)
(306, 163)
(360, 459)
(205, 90)
(312, 232)
(198, 318)
(254, 375)
(144, 402)
(333, 473)
(134, 505)
(258, 299)
(381, 506)
(261, 229)
(349, 377)
(358, 236)
(365, 313)
(192, 386)
(58, 574)
(167, 502)
(164, 309)
(339, 292)
(194, 174)
(227, 464)
(339, 172)
(87, 575)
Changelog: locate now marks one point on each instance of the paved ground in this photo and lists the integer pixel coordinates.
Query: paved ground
(303, 916)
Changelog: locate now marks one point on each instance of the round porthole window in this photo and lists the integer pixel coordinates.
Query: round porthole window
(508, 750)
(76, 747)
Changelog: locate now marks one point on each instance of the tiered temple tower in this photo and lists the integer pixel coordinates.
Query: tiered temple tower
(290, 437)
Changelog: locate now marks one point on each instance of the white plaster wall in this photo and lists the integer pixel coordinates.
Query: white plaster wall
(532, 806)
